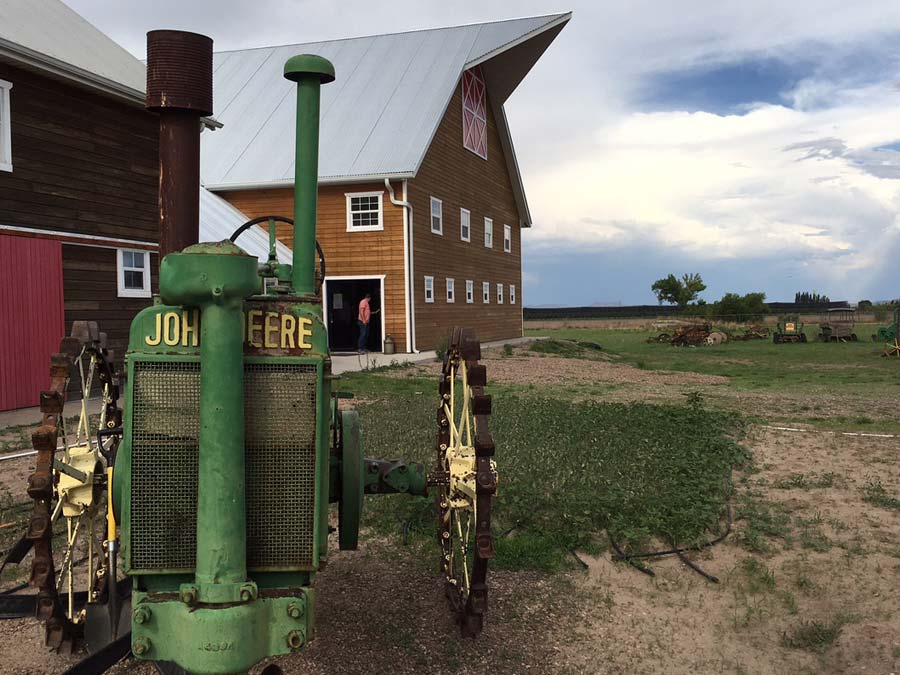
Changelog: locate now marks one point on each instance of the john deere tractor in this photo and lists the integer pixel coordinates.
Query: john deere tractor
(789, 329)
(213, 485)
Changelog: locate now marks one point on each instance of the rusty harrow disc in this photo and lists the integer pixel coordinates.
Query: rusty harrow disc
(69, 483)
(467, 480)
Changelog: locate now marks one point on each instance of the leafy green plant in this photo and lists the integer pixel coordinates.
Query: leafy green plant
(440, 350)
(507, 349)
(814, 636)
(874, 493)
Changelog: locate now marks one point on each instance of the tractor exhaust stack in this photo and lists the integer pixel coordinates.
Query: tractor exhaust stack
(179, 88)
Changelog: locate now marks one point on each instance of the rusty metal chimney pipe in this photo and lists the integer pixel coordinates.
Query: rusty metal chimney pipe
(179, 88)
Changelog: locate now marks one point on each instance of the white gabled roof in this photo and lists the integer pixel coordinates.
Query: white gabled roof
(218, 219)
(378, 117)
(48, 35)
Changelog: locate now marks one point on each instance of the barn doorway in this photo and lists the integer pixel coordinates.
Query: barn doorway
(342, 296)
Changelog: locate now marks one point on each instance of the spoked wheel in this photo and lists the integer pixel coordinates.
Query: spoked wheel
(892, 348)
(68, 524)
(467, 478)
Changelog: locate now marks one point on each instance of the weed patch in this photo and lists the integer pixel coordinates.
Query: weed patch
(814, 636)
(875, 494)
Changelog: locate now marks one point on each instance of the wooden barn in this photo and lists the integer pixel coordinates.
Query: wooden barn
(421, 202)
(79, 223)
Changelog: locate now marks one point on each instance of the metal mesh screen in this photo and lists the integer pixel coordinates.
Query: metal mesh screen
(280, 409)
(165, 428)
(280, 433)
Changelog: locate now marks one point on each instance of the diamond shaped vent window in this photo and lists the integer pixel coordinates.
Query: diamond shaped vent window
(474, 112)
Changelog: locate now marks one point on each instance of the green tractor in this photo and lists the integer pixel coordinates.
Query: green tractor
(888, 333)
(789, 329)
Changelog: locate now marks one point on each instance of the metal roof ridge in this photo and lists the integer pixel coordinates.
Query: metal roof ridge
(499, 49)
(556, 15)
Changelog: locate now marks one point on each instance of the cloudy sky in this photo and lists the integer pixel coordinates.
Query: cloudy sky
(757, 143)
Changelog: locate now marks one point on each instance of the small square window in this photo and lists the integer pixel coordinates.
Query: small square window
(133, 273)
(470, 291)
(451, 290)
(499, 294)
(5, 127)
(512, 294)
(465, 225)
(429, 289)
(486, 293)
(507, 239)
(437, 216)
(488, 233)
(364, 211)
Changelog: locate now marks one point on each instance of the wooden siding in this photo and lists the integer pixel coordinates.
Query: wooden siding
(31, 296)
(81, 162)
(346, 253)
(91, 293)
(462, 179)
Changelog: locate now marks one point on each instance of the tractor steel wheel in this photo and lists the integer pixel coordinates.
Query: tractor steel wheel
(69, 484)
(466, 478)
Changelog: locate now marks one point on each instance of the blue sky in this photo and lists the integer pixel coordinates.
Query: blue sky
(757, 143)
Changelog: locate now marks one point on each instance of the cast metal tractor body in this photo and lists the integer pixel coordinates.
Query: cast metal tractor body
(230, 449)
(789, 329)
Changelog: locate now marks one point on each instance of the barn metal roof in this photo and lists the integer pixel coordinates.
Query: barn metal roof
(218, 219)
(48, 35)
(379, 116)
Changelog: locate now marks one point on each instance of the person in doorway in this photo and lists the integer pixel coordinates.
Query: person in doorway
(362, 320)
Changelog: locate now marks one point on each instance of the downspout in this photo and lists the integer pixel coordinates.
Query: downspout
(407, 264)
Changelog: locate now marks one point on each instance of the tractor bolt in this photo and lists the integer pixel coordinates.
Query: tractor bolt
(295, 639)
(294, 611)
(189, 596)
(142, 615)
(140, 646)
(248, 593)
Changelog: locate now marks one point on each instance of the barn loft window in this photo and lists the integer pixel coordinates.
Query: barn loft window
(507, 239)
(470, 291)
(364, 211)
(429, 289)
(488, 233)
(465, 225)
(486, 293)
(5, 127)
(512, 294)
(437, 216)
(499, 294)
(474, 112)
(451, 290)
(134, 273)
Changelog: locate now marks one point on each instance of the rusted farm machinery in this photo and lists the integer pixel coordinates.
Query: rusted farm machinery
(754, 332)
(789, 330)
(690, 335)
(889, 335)
(211, 488)
(838, 326)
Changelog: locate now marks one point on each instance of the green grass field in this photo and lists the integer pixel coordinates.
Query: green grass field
(569, 471)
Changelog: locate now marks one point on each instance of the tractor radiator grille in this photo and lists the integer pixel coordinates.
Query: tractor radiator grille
(280, 433)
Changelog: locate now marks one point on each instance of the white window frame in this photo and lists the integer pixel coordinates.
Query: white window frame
(486, 292)
(465, 216)
(512, 294)
(507, 239)
(489, 233)
(5, 127)
(451, 289)
(365, 228)
(429, 290)
(144, 292)
(499, 294)
(470, 291)
(440, 216)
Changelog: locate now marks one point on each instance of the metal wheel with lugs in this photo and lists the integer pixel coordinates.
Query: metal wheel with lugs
(467, 480)
(68, 525)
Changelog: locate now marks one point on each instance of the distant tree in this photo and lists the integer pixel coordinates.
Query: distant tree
(810, 299)
(741, 307)
(677, 291)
